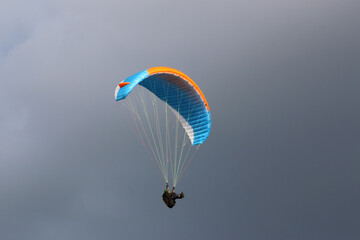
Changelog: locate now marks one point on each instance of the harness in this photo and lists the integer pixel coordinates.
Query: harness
(168, 200)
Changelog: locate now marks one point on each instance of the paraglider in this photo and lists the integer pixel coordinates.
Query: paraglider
(169, 198)
(164, 90)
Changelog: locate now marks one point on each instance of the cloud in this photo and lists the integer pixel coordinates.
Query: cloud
(281, 79)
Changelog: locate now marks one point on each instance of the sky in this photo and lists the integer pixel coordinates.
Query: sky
(282, 79)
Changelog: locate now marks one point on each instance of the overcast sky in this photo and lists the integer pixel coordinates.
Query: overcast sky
(282, 79)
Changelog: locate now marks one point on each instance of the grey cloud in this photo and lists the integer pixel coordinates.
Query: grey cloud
(281, 78)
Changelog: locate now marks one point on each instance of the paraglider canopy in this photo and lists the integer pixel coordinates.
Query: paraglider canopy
(180, 92)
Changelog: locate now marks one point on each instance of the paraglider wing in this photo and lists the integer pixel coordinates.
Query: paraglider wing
(180, 93)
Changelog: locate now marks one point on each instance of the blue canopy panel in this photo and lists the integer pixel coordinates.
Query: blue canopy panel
(180, 93)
